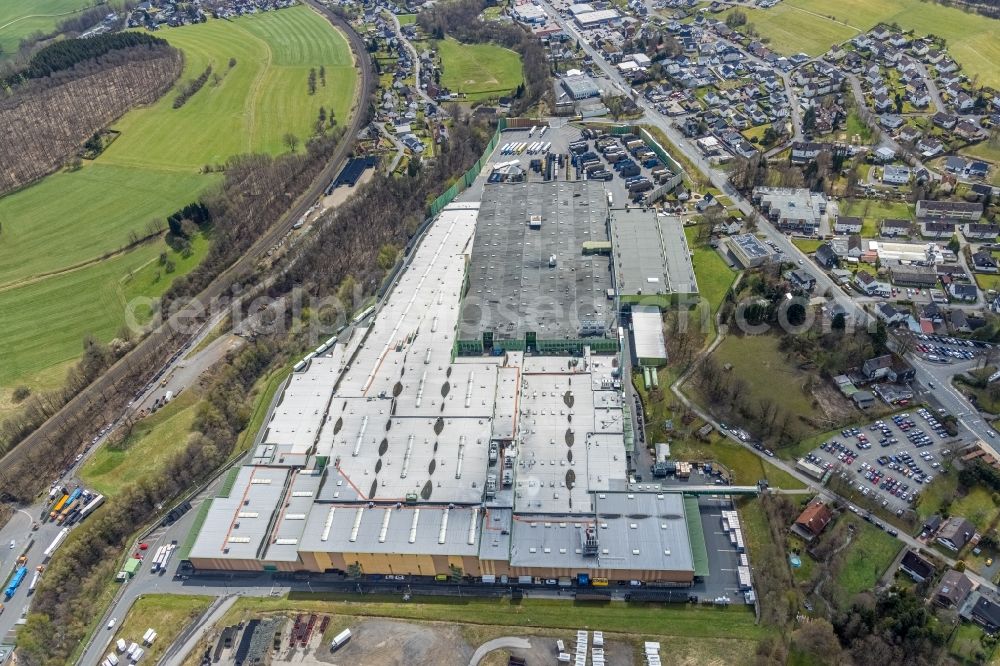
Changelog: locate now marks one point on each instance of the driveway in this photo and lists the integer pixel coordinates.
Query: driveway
(497, 644)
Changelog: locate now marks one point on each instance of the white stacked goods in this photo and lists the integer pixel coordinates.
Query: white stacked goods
(580, 656)
(744, 560)
(744, 575)
(598, 639)
(652, 649)
(597, 656)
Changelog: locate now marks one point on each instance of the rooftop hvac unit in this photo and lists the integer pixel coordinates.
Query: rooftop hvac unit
(552, 261)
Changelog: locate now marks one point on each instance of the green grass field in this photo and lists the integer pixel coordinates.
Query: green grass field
(168, 614)
(406, 19)
(714, 277)
(791, 30)
(152, 441)
(479, 70)
(56, 284)
(734, 623)
(21, 18)
(806, 25)
(869, 555)
(747, 467)
(807, 245)
(756, 356)
(873, 212)
(44, 322)
(68, 219)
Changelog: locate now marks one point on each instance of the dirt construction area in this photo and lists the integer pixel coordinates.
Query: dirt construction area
(378, 642)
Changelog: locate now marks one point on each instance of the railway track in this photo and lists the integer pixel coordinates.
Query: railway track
(150, 350)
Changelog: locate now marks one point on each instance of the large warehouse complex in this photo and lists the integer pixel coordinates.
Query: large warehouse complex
(476, 427)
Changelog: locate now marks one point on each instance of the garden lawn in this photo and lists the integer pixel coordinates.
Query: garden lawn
(932, 497)
(977, 506)
(987, 281)
(152, 441)
(807, 245)
(479, 70)
(873, 212)
(21, 18)
(168, 614)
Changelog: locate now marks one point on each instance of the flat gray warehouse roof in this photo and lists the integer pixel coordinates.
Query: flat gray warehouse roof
(651, 253)
(513, 286)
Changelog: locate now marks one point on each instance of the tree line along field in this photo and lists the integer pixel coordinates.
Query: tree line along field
(20, 18)
(806, 25)
(480, 71)
(57, 280)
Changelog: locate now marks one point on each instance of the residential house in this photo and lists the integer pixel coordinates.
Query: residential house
(916, 567)
(958, 210)
(889, 314)
(968, 131)
(955, 532)
(826, 257)
(909, 134)
(955, 164)
(889, 121)
(893, 228)
(964, 102)
(978, 169)
(953, 589)
(801, 279)
(894, 175)
(869, 285)
(959, 321)
(981, 232)
(937, 230)
(963, 292)
(983, 261)
(804, 152)
(944, 120)
(847, 225)
(814, 518)
(930, 146)
(984, 611)
(876, 368)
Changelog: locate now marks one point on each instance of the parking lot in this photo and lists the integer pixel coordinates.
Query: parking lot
(521, 146)
(944, 349)
(890, 460)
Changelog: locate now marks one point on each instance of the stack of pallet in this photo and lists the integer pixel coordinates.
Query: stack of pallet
(597, 652)
(652, 653)
(580, 657)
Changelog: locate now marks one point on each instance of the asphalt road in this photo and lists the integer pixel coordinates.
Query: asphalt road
(152, 345)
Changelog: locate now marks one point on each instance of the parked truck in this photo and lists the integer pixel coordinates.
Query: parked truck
(340, 639)
(15, 582)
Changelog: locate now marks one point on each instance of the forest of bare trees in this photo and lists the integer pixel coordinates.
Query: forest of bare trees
(460, 19)
(385, 212)
(47, 119)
